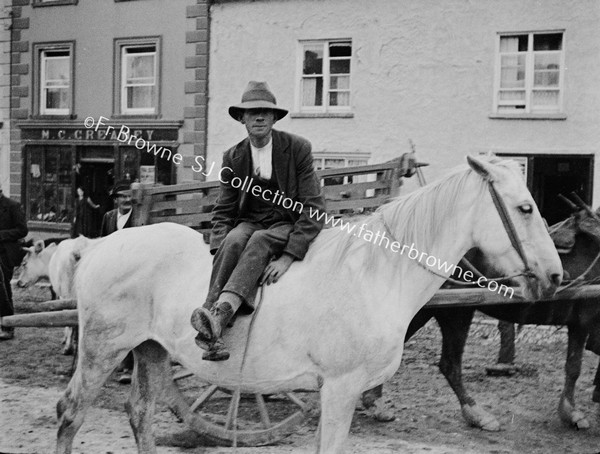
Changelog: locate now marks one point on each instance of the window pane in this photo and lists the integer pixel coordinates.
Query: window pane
(516, 43)
(313, 59)
(339, 82)
(57, 69)
(339, 99)
(548, 99)
(140, 97)
(140, 66)
(343, 49)
(547, 41)
(512, 72)
(312, 91)
(356, 162)
(334, 163)
(547, 70)
(512, 95)
(36, 198)
(57, 98)
(339, 66)
(130, 163)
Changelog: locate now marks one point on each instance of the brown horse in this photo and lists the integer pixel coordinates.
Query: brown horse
(578, 239)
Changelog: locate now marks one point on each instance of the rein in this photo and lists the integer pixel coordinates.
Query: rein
(511, 231)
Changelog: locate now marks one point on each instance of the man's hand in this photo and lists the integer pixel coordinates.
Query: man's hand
(276, 269)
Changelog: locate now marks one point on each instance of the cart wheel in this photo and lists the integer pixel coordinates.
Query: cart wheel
(230, 418)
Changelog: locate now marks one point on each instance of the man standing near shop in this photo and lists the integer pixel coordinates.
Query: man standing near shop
(13, 227)
(254, 237)
(121, 217)
(117, 219)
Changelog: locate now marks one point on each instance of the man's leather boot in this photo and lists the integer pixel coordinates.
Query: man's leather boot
(211, 323)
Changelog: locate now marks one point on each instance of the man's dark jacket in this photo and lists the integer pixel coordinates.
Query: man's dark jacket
(109, 222)
(296, 179)
(13, 227)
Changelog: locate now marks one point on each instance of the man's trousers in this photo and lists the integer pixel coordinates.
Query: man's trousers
(243, 256)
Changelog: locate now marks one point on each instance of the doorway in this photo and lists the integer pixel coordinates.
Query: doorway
(553, 175)
(96, 178)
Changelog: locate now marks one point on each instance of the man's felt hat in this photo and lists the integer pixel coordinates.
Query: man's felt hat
(257, 96)
(121, 188)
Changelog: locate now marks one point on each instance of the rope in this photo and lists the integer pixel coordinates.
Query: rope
(243, 363)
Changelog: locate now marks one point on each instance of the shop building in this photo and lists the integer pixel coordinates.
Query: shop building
(137, 66)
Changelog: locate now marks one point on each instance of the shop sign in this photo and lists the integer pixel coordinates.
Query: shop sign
(83, 134)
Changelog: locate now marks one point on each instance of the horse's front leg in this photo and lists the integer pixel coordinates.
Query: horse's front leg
(567, 410)
(338, 399)
(455, 324)
(372, 399)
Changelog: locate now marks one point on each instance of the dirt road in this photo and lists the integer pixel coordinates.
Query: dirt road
(33, 374)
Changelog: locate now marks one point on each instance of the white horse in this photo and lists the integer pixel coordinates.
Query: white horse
(336, 321)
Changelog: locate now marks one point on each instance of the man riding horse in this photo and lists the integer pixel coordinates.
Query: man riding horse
(256, 235)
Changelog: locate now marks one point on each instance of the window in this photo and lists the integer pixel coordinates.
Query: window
(136, 166)
(138, 77)
(53, 93)
(49, 189)
(339, 160)
(325, 76)
(529, 75)
(55, 82)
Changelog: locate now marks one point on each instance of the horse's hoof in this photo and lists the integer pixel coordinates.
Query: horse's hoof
(478, 417)
(501, 370)
(579, 421)
(68, 351)
(571, 416)
(381, 412)
(384, 416)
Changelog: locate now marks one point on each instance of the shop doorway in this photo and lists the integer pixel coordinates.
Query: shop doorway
(96, 179)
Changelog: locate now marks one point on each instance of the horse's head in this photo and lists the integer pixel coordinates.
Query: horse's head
(588, 222)
(537, 264)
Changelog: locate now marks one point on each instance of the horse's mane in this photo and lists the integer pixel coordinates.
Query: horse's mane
(417, 218)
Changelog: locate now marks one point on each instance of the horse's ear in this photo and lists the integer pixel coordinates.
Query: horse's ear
(483, 168)
(38, 246)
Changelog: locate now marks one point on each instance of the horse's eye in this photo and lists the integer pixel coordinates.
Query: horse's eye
(526, 208)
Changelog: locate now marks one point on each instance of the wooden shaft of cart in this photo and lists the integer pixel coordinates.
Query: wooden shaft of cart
(64, 312)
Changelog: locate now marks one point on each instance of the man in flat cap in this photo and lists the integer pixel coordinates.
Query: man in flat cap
(261, 227)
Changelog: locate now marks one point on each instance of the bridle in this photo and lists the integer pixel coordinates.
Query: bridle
(510, 230)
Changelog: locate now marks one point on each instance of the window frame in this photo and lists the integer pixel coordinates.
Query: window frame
(38, 96)
(42, 3)
(529, 110)
(119, 89)
(325, 108)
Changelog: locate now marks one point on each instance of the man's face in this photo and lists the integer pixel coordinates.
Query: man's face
(123, 203)
(258, 122)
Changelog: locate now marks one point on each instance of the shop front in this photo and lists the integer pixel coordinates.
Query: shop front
(59, 159)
